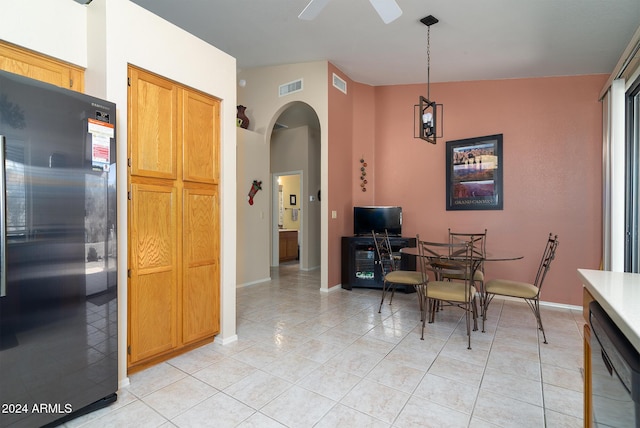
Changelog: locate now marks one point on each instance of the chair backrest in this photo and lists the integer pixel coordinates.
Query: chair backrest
(547, 257)
(383, 251)
(477, 240)
(446, 259)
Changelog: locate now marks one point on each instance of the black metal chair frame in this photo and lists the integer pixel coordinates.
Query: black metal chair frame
(390, 265)
(534, 303)
(443, 260)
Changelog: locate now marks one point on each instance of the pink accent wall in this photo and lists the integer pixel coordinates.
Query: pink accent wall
(552, 150)
(364, 135)
(340, 137)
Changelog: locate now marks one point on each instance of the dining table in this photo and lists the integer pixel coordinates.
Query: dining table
(497, 256)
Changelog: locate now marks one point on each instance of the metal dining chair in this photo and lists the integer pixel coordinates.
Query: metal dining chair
(530, 292)
(446, 260)
(478, 242)
(390, 265)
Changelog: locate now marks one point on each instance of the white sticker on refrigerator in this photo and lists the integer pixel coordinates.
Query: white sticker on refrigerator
(101, 134)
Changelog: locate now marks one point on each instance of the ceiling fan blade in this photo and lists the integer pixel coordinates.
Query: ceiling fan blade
(387, 9)
(313, 9)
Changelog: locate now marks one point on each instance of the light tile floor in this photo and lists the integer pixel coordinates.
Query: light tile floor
(306, 358)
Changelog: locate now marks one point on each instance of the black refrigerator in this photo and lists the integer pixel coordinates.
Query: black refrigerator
(58, 270)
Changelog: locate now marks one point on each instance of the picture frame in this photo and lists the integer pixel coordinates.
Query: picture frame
(474, 173)
(292, 199)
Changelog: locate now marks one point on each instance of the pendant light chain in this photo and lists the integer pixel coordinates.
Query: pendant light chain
(428, 61)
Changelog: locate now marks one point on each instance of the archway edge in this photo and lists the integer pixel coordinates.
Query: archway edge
(312, 119)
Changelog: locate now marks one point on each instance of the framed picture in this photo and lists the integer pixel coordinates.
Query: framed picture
(474, 173)
(292, 199)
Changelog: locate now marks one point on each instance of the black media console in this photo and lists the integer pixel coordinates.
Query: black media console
(360, 267)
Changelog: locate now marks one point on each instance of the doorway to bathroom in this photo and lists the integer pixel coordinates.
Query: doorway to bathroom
(288, 216)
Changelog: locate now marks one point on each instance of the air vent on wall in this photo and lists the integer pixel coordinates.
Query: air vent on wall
(290, 88)
(339, 83)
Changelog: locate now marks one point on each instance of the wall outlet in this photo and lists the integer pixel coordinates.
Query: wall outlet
(334, 214)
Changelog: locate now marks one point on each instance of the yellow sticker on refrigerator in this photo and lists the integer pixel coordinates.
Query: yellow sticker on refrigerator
(101, 135)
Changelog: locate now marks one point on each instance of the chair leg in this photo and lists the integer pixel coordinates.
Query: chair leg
(535, 307)
(481, 299)
(474, 308)
(424, 305)
(429, 306)
(393, 290)
(486, 300)
(467, 316)
(384, 292)
(423, 315)
(420, 299)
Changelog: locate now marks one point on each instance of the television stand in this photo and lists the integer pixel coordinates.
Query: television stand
(360, 267)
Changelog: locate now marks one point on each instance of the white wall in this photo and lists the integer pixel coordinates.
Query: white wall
(253, 220)
(57, 28)
(264, 106)
(106, 36)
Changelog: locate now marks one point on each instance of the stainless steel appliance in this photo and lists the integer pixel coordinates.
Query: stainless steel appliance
(615, 373)
(58, 279)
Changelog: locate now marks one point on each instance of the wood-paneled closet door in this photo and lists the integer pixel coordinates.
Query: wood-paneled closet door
(174, 234)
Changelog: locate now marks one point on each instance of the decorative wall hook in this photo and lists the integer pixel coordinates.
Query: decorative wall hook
(363, 174)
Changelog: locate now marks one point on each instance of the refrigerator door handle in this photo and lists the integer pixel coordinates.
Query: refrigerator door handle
(3, 223)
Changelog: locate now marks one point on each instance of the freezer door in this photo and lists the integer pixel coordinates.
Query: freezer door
(3, 224)
(58, 310)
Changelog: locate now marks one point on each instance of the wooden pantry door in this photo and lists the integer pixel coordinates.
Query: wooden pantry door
(174, 233)
(153, 285)
(200, 287)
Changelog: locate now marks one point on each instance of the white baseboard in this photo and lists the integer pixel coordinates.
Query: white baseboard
(259, 281)
(123, 383)
(561, 305)
(228, 340)
(332, 289)
(542, 303)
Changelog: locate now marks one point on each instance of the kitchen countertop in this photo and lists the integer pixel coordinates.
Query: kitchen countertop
(619, 295)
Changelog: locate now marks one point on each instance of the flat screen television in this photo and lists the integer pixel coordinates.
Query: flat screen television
(377, 218)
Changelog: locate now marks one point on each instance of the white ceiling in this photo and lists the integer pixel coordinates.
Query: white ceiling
(474, 40)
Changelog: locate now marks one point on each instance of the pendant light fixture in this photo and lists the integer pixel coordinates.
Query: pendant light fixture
(430, 127)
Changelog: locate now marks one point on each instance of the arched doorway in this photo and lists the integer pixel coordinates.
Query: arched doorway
(295, 151)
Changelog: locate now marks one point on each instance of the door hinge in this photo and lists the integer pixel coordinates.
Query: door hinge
(129, 349)
(129, 162)
(128, 81)
(129, 194)
(128, 273)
